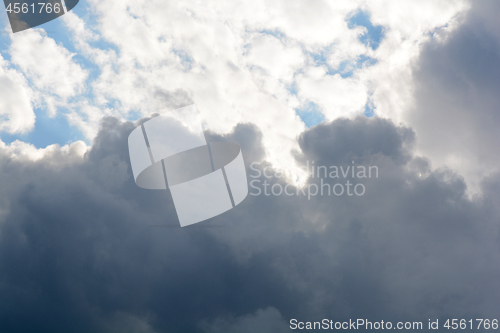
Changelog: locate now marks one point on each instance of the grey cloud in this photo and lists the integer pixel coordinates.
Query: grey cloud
(343, 140)
(457, 104)
(82, 248)
(172, 99)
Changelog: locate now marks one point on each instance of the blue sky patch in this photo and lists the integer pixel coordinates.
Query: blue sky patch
(374, 34)
(275, 33)
(369, 108)
(47, 131)
(310, 114)
(347, 67)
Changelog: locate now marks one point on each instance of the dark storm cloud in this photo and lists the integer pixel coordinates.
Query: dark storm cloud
(82, 248)
(457, 109)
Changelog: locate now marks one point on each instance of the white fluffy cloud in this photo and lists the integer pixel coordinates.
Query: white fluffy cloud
(254, 62)
(22, 151)
(16, 111)
(48, 66)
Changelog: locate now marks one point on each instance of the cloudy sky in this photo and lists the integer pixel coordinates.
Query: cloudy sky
(410, 87)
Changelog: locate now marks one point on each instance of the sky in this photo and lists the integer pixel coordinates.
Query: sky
(409, 87)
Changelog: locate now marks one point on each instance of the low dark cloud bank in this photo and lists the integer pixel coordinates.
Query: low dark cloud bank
(83, 249)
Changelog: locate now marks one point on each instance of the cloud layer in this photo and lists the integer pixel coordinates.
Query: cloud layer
(83, 248)
(267, 64)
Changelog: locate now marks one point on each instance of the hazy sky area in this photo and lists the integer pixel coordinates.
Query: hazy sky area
(411, 87)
